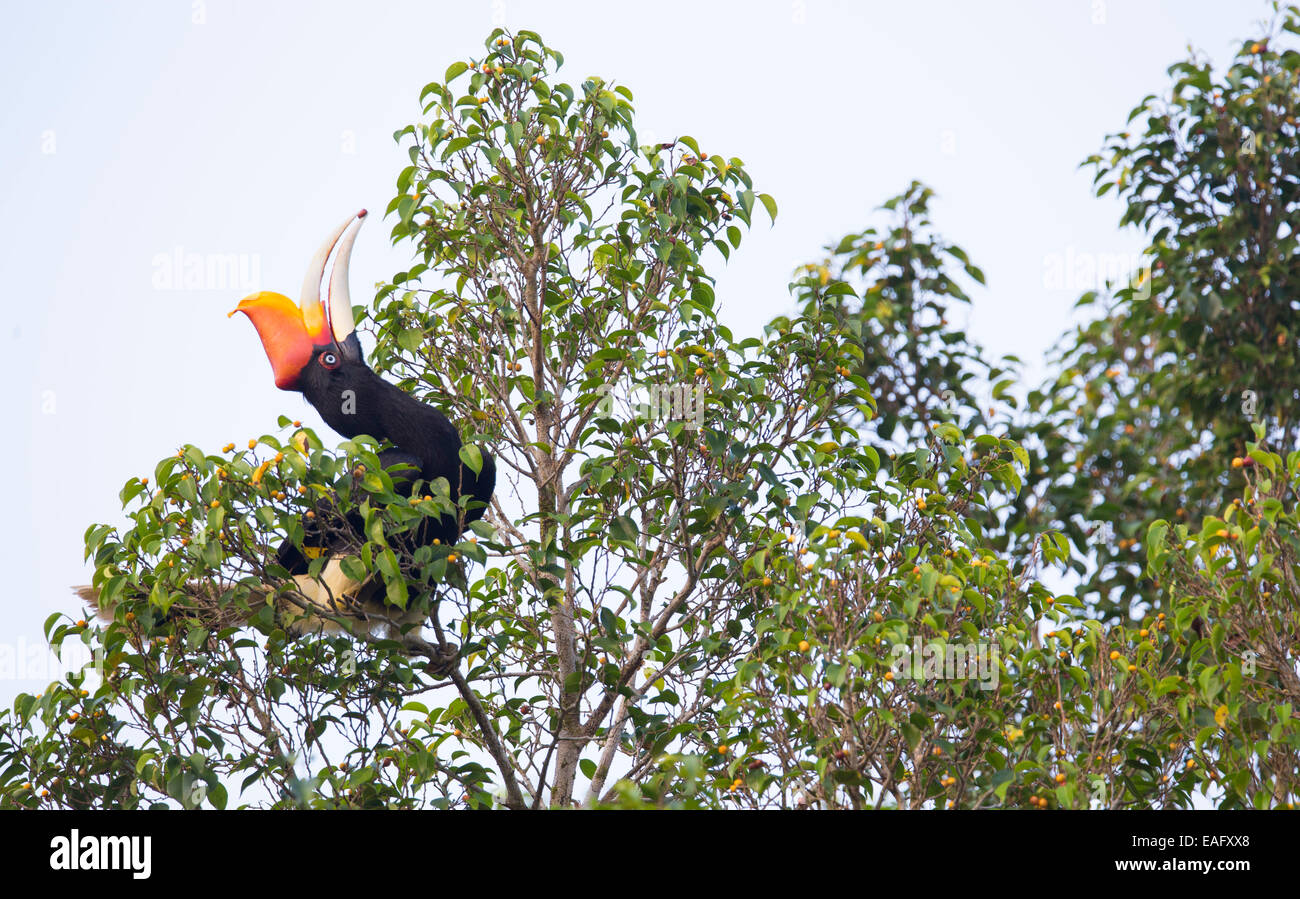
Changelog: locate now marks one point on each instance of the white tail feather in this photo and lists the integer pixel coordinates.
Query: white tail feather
(333, 592)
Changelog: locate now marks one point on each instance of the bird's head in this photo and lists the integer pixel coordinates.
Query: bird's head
(301, 337)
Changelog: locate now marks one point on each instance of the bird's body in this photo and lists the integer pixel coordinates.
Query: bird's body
(354, 400)
(423, 447)
(313, 349)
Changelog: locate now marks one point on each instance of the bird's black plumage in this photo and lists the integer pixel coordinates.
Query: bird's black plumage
(425, 446)
(313, 350)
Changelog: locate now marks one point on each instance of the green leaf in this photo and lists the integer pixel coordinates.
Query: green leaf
(1156, 549)
(624, 530)
(353, 568)
(472, 456)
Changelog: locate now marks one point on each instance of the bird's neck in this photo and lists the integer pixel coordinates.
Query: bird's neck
(365, 403)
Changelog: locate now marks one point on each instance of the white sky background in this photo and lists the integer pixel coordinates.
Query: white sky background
(134, 132)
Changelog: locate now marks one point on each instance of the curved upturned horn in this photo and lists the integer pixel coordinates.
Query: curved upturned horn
(310, 296)
(338, 309)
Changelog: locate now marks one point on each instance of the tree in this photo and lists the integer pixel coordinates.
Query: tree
(1155, 395)
(1231, 584)
(781, 571)
(574, 257)
(917, 365)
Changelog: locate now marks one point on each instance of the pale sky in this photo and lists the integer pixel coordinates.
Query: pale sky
(142, 133)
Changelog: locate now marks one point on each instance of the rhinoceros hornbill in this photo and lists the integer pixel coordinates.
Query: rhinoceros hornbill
(313, 349)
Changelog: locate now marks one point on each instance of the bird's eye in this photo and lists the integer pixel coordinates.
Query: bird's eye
(329, 360)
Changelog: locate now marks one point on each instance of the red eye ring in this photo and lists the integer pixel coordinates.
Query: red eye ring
(329, 360)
